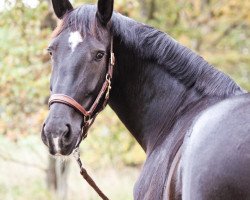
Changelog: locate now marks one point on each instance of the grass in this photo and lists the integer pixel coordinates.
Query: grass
(22, 175)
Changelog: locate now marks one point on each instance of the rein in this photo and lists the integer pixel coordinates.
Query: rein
(89, 116)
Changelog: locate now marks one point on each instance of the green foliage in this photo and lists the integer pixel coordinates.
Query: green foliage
(24, 76)
(24, 85)
(216, 30)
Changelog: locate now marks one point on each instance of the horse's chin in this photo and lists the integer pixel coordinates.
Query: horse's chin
(63, 158)
(75, 153)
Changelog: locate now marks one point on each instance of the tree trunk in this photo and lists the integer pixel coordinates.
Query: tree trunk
(51, 175)
(143, 9)
(62, 169)
(152, 9)
(57, 175)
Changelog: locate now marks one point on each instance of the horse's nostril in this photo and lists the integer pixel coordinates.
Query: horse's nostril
(43, 135)
(67, 133)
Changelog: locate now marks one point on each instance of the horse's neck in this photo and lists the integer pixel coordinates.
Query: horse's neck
(146, 98)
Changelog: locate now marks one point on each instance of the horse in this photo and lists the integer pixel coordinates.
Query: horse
(191, 119)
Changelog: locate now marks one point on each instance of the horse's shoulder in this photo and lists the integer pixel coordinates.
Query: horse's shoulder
(221, 111)
(220, 122)
(218, 146)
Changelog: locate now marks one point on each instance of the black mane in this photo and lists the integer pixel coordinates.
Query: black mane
(153, 45)
(179, 61)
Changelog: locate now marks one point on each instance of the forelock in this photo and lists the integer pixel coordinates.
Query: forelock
(82, 19)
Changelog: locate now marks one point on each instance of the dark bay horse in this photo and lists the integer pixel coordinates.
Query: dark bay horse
(170, 99)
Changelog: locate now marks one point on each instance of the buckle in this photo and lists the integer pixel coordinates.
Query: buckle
(86, 118)
(112, 59)
(108, 79)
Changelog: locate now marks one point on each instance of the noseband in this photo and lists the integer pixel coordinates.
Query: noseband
(89, 115)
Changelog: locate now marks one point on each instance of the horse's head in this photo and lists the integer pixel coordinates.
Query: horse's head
(80, 53)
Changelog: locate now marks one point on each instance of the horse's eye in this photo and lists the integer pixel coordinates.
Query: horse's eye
(99, 55)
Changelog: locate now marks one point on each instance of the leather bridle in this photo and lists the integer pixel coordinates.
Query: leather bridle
(89, 115)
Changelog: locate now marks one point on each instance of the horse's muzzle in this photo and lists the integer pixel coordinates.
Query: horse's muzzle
(58, 138)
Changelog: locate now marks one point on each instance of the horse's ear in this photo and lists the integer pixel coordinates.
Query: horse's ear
(104, 10)
(61, 7)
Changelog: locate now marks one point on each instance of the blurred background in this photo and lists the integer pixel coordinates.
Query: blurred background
(219, 30)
